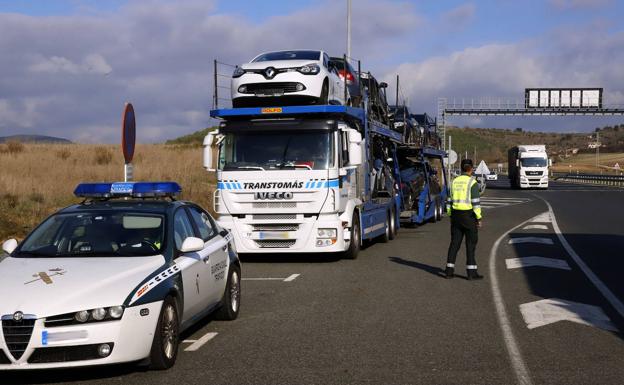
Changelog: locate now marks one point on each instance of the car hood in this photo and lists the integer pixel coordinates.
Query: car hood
(51, 286)
(277, 64)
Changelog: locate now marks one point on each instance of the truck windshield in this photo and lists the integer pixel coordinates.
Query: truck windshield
(277, 150)
(534, 162)
(95, 234)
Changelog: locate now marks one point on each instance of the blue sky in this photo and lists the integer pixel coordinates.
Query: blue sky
(156, 53)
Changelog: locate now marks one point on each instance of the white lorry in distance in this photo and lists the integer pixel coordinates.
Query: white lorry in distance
(528, 166)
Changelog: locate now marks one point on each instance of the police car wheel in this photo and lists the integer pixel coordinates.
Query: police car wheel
(167, 336)
(354, 245)
(230, 304)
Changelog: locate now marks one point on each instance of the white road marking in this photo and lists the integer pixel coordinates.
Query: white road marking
(515, 356)
(613, 300)
(543, 218)
(539, 240)
(196, 344)
(548, 311)
(292, 278)
(535, 227)
(515, 263)
(495, 202)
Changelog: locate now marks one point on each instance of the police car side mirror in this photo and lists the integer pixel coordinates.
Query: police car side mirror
(192, 244)
(9, 246)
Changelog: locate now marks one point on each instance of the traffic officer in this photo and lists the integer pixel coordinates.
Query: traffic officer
(464, 208)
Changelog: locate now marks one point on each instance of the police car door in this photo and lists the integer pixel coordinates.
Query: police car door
(195, 273)
(215, 254)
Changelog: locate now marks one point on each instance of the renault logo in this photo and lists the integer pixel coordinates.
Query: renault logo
(18, 316)
(269, 72)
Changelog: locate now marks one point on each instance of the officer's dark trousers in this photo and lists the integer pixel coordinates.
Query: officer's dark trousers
(463, 223)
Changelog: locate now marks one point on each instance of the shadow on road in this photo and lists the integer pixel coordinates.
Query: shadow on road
(291, 258)
(424, 267)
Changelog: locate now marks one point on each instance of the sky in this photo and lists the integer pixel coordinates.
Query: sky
(68, 66)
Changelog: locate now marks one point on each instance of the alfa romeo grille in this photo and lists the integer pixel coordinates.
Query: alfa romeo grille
(276, 244)
(4, 360)
(17, 335)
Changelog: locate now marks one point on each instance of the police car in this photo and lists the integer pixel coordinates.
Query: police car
(114, 280)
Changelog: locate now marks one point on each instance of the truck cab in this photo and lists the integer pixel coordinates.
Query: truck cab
(528, 166)
(287, 183)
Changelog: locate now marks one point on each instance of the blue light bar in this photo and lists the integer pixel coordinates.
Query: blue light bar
(128, 189)
(275, 112)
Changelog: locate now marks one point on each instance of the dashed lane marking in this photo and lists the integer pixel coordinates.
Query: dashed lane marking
(540, 240)
(551, 310)
(515, 263)
(290, 278)
(196, 344)
(535, 227)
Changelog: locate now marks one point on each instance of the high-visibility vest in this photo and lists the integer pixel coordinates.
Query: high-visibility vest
(461, 198)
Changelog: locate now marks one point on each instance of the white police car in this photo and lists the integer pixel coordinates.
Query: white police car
(114, 280)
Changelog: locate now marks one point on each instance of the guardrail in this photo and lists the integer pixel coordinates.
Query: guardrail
(608, 180)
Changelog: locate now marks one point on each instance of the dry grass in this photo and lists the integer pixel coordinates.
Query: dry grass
(587, 163)
(39, 179)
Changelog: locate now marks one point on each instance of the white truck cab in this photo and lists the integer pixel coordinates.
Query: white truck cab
(529, 166)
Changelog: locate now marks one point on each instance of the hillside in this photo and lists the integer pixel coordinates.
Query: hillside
(34, 139)
(194, 139)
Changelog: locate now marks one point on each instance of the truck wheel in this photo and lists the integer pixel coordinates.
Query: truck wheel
(393, 225)
(167, 336)
(354, 246)
(230, 304)
(385, 238)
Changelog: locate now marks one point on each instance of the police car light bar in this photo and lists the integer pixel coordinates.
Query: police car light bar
(128, 189)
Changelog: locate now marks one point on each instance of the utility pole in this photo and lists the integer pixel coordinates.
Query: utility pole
(349, 29)
(448, 163)
(597, 149)
(397, 92)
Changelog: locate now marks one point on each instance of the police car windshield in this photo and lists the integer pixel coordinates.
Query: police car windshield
(277, 150)
(101, 234)
(533, 162)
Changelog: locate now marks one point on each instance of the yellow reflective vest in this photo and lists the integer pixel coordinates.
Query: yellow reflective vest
(464, 195)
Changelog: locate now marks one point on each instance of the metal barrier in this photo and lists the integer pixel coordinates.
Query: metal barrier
(608, 180)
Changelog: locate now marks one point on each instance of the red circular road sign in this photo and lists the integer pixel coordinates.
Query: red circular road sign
(128, 132)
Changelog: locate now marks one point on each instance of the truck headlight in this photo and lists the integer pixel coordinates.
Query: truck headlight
(326, 237)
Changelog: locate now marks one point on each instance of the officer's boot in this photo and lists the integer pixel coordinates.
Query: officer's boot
(473, 274)
(449, 272)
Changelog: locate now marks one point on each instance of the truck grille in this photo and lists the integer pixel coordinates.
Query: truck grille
(276, 244)
(534, 173)
(275, 227)
(274, 205)
(271, 88)
(275, 217)
(17, 335)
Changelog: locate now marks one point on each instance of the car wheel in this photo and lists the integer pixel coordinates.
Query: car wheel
(167, 336)
(324, 98)
(230, 304)
(354, 246)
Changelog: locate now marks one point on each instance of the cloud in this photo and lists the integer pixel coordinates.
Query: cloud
(579, 4)
(564, 58)
(69, 76)
(460, 16)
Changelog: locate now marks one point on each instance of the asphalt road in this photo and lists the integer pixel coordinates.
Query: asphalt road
(390, 318)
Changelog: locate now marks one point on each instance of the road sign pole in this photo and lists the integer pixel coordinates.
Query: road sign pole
(128, 172)
(448, 167)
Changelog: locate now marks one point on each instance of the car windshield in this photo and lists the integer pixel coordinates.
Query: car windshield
(285, 149)
(288, 55)
(101, 234)
(534, 162)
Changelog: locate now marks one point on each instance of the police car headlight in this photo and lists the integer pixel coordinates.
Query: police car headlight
(115, 312)
(82, 316)
(98, 314)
